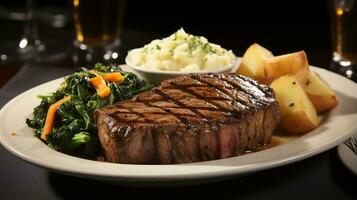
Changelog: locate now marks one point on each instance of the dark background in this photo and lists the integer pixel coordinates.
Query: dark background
(280, 26)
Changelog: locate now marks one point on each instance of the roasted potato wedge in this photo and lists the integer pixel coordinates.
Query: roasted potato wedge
(293, 63)
(298, 113)
(252, 64)
(320, 93)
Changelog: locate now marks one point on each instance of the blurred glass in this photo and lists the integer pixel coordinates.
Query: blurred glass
(344, 36)
(98, 26)
(29, 47)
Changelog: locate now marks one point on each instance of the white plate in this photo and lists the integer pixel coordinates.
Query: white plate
(336, 127)
(348, 157)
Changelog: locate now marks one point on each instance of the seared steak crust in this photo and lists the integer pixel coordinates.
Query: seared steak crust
(189, 119)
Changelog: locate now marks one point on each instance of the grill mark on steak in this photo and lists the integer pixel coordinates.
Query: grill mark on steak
(158, 91)
(178, 116)
(206, 99)
(131, 112)
(169, 113)
(233, 100)
(258, 99)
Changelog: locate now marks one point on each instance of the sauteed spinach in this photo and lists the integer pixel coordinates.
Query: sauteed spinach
(74, 131)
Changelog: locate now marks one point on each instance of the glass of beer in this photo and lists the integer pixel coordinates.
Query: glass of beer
(344, 36)
(98, 26)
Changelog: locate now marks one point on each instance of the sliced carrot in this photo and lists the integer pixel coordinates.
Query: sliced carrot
(50, 118)
(99, 84)
(113, 77)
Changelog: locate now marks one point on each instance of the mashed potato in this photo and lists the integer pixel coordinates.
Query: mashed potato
(181, 52)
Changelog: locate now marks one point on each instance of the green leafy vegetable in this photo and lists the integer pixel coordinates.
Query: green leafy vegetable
(74, 130)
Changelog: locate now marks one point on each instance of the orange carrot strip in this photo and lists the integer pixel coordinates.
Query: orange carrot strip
(113, 77)
(51, 117)
(99, 84)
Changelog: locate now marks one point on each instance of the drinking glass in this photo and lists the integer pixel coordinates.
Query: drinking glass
(30, 48)
(98, 26)
(344, 36)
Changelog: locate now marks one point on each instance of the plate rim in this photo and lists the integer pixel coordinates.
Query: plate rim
(151, 177)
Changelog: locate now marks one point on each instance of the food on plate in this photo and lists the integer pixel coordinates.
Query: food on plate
(190, 118)
(298, 113)
(320, 93)
(100, 86)
(253, 63)
(293, 63)
(258, 63)
(64, 119)
(181, 52)
(50, 116)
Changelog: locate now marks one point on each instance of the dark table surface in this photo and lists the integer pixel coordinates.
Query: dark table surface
(320, 177)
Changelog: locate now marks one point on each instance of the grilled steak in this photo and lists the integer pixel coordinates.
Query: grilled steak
(189, 119)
